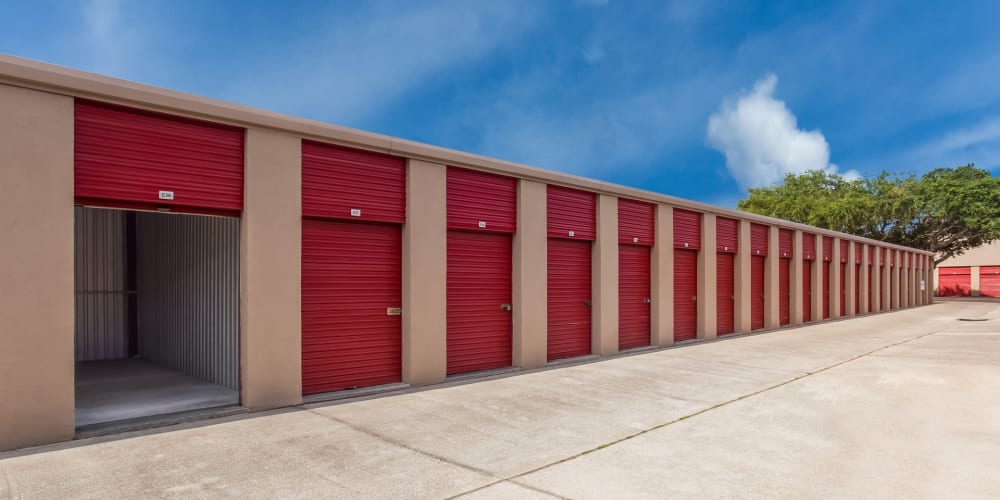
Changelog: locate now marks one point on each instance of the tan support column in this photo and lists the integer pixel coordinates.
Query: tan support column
(974, 270)
(707, 260)
(876, 283)
(604, 336)
(817, 280)
(36, 268)
(911, 279)
(904, 283)
(835, 280)
(271, 271)
(530, 276)
(849, 283)
(425, 271)
(896, 289)
(772, 313)
(741, 310)
(795, 279)
(865, 257)
(886, 280)
(928, 280)
(662, 281)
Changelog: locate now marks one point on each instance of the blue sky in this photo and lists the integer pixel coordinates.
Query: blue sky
(698, 99)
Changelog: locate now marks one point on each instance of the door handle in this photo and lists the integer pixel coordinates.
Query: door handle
(506, 307)
(647, 300)
(588, 303)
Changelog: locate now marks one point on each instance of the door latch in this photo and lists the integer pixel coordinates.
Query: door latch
(694, 298)
(588, 303)
(506, 307)
(647, 300)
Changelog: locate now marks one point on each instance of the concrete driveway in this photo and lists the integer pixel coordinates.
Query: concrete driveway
(903, 404)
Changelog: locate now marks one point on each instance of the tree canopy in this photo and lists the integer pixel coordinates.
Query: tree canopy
(946, 211)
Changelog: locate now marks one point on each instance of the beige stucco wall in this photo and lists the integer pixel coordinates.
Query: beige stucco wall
(270, 271)
(662, 280)
(530, 275)
(36, 267)
(707, 285)
(604, 282)
(795, 280)
(817, 280)
(742, 314)
(986, 255)
(425, 272)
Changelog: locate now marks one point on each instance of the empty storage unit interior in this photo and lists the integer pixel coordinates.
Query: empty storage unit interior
(157, 294)
(223, 255)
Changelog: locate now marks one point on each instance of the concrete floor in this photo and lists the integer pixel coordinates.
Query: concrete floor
(123, 389)
(902, 404)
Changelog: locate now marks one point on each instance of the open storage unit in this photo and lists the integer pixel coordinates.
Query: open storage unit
(156, 263)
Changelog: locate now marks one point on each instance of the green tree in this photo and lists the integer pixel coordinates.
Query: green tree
(946, 211)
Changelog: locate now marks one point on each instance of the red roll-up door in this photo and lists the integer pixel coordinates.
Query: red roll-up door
(633, 296)
(808, 246)
(841, 285)
(727, 234)
(685, 294)
(807, 290)
(571, 213)
(989, 281)
(344, 183)
(479, 294)
(478, 201)
(725, 289)
(954, 281)
(482, 214)
(784, 292)
(786, 243)
(636, 222)
(759, 236)
(351, 280)
(871, 291)
(129, 158)
(826, 290)
(569, 299)
(757, 292)
(687, 229)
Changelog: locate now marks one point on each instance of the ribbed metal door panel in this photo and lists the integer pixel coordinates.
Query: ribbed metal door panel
(569, 298)
(827, 248)
(784, 291)
(633, 296)
(826, 290)
(727, 234)
(759, 236)
(344, 183)
(757, 292)
(725, 287)
(808, 246)
(351, 275)
(954, 281)
(479, 284)
(786, 243)
(871, 291)
(685, 294)
(478, 201)
(807, 290)
(636, 222)
(989, 281)
(125, 158)
(687, 229)
(844, 246)
(571, 213)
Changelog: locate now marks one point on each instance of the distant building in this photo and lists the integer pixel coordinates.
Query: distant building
(975, 273)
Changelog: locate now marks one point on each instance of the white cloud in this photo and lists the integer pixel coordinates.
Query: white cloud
(979, 144)
(761, 139)
(363, 59)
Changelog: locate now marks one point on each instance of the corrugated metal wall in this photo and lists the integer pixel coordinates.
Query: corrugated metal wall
(101, 295)
(188, 281)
